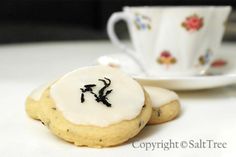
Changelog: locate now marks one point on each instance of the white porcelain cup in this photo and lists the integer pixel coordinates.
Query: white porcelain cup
(172, 40)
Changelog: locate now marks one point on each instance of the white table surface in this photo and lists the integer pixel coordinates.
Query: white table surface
(206, 114)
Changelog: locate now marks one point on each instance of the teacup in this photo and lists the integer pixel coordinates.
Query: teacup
(172, 40)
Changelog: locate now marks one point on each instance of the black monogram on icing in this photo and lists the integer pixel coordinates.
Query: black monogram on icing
(102, 94)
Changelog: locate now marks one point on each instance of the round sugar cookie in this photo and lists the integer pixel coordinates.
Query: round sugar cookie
(32, 101)
(95, 106)
(165, 104)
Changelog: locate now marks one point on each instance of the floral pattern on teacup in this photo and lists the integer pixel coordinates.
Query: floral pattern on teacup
(142, 22)
(218, 63)
(193, 23)
(166, 58)
(205, 59)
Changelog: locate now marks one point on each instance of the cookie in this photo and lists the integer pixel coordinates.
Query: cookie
(31, 107)
(165, 104)
(96, 106)
(32, 101)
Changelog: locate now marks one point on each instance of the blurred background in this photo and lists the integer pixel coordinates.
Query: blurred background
(58, 20)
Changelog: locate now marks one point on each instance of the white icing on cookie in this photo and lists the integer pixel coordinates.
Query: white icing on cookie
(37, 93)
(160, 96)
(126, 97)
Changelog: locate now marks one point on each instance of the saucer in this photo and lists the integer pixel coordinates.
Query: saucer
(221, 73)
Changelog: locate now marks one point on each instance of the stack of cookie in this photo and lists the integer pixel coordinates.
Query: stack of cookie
(100, 106)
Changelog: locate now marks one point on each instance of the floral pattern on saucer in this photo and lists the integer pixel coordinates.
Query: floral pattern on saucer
(193, 23)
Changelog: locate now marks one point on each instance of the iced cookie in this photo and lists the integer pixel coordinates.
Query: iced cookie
(95, 106)
(165, 104)
(32, 101)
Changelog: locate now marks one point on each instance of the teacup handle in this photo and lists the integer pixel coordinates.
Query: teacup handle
(115, 17)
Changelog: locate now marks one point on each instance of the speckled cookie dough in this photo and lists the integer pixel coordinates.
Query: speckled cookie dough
(32, 101)
(32, 108)
(165, 104)
(96, 107)
(92, 136)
